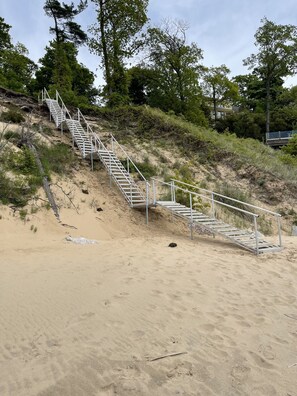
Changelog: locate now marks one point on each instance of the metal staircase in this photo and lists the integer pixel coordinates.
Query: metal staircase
(91, 146)
(248, 239)
(122, 170)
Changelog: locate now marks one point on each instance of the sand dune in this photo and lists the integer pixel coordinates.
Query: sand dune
(90, 320)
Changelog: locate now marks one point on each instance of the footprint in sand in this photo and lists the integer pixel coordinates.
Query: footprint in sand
(260, 361)
(240, 374)
(267, 351)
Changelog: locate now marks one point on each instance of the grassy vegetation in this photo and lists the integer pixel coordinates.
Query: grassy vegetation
(205, 145)
(20, 177)
(58, 158)
(13, 116)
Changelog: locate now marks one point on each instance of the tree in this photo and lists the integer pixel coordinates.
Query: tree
(64, 28)
(16, 69)
(114, 40)
(219, 88)
(82, 79)
(175, 69)
(138, 83)
(65, 31)
(5, 38)
(276, 58)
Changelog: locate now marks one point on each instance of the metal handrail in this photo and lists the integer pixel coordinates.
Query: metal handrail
(280, 135)
(255, 216)
(229, 198)
(97, 144)
(112, 159)
(63, 104)
(208, 198)
(127, 156)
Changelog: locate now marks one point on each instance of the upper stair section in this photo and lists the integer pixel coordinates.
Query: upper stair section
(55, 111)
(91, 145)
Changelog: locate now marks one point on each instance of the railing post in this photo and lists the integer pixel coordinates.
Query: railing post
(78, 115)
(112, 146)
(173, 186)
(109, 169)
(50, 112)
(128, 166)
(130, 193)
(154, 192)
(147, 203)
(212, 205)
(256, 235)
(57, 97)
(84, 149)
(191, 207)
(279, 231)
(92, 159)
(62, 114)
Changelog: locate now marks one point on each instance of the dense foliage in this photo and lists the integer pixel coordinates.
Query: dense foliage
(169, 75)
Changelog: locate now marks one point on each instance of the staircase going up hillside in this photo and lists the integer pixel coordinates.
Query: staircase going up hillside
(91, 146)
(119, 165)
(248, 239)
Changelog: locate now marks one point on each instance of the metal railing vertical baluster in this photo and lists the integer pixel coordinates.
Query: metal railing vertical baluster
(212, 205)
(147, 202)
(279, 231)
(154, 192)
(256, 234)
(191, 208)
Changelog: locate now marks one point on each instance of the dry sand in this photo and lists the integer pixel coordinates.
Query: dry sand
(89, 320)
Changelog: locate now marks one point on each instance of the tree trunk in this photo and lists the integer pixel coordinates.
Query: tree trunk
(104, 47)
(268, 106)
(214, 99)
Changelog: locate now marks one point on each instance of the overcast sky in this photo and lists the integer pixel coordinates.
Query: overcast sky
(223, 29)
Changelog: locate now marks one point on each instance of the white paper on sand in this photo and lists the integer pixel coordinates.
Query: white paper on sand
(81, 240)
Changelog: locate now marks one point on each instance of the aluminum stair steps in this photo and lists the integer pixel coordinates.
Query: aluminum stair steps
(87, 145)
(55, 111)
(122, 178)
(243, 238)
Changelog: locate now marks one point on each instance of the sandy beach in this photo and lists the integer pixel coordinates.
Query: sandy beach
(103, 319)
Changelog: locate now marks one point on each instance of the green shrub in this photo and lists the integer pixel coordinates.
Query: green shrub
(23, 213)
(235, 193)
(12, 116)
(291, 147)
(146, 168)
(57, 158)
(12, 136)
(23, 162)
(12, 192)
(20, 188)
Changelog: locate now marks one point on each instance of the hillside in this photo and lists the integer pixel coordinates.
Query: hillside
(128, 315)
(161, 145)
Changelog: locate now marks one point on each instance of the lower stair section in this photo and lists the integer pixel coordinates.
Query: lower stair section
(244, 238)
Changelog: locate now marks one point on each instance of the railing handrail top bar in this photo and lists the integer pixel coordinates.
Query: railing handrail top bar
(124, 151)
(209, 199)
(231, 199)
(113, 160)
